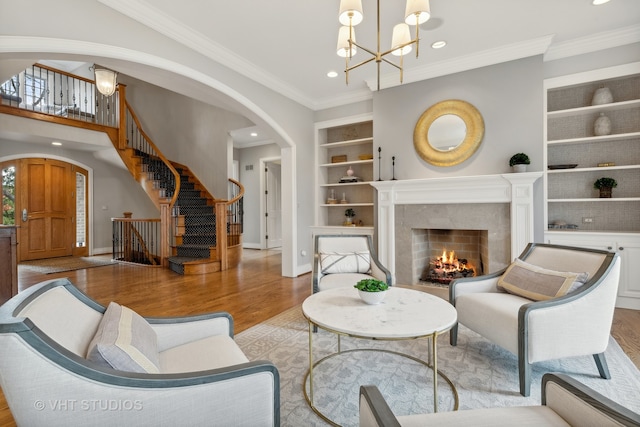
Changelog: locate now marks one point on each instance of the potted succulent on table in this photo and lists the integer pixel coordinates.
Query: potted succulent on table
(519, 162)
(372, 291)
(605, 185)
(349, 213)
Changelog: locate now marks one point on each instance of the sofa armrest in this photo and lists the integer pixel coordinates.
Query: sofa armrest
(478, 284)
(580, 405)
(374, 411)
(380, 272)
(175, 331)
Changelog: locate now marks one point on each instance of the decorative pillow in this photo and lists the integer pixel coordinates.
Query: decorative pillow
(351, 262)
(125, 341)
(537, 283)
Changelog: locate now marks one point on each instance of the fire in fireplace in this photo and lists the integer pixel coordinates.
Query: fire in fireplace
(447, 267)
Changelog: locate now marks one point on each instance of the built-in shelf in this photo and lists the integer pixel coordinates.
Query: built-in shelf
(610, 224)
(590, 139)
(347, 143)
(344, 205)
(351, 140)
(602, 168)
(596, 200)
(592, 109)
(347, 163)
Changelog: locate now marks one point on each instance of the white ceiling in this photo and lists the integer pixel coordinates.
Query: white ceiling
(290, 45)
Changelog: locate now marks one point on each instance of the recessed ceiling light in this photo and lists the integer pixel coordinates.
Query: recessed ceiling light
(56, 143)
(599, 2)
(439, 44)
(254, 134)
(332, 74)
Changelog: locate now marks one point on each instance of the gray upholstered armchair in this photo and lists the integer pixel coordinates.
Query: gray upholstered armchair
(565, 401)
(344, 259)
(193, 374)
(545, 307)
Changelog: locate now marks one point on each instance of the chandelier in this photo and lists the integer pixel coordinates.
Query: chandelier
(350, 15)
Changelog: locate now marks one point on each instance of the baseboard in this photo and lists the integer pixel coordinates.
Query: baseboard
(626, 302)
(303, 269)
(102, 251)
(251, 245)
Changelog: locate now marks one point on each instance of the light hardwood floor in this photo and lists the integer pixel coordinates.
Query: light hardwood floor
(252, 293)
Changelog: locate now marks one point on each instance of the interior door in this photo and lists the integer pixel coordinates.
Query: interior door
(47, 209)
(273, 205)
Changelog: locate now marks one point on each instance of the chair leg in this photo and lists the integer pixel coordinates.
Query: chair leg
(453, 335)
(524, 371)
(603, 368)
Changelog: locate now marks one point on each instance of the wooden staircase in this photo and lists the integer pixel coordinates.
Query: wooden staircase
(195, 250)
(198, 233)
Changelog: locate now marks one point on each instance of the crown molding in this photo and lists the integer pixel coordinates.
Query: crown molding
(594, 42)
(144, 13)
(483, 58)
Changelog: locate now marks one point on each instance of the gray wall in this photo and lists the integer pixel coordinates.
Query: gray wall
(509, 97)
(187, 131)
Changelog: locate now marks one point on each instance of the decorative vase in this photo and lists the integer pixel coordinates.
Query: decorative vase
(605, 192)
(602, 126)
(602, 96)
(519, 168)
(350, 171)
(372, 298)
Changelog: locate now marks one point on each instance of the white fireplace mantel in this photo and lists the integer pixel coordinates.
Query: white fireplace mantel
(515, 189)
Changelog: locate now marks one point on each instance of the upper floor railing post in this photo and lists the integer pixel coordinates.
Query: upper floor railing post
(221, 234)
(122, 116)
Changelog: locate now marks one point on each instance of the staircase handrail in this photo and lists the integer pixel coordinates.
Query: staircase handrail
(240, 192)
(158, 153)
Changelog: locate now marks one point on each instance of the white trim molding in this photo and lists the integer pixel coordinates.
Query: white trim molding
(515, 189)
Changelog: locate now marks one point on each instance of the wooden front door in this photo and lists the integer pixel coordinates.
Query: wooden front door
(47, 208)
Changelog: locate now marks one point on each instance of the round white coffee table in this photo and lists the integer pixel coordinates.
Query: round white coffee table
(404, 314)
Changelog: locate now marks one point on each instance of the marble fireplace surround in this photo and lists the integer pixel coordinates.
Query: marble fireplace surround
(515, 190)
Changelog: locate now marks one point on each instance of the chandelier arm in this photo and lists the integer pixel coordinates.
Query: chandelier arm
(399, 67)
(370, 52)
(366, 61)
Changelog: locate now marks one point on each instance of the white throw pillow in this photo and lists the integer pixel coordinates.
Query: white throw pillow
(125, 341)
(351, 262)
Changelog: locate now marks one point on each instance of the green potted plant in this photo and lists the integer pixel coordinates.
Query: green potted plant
(605, 185)
(372, 291)
(519, 162)
(349, 213)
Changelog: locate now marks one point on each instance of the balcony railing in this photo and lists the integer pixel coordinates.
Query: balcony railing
(137, 240)
(45, 90)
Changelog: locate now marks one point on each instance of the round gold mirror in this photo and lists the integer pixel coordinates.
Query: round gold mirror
(448, 133)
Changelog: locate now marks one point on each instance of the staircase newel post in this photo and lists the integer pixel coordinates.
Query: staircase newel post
(165, 233)
(221, 234)
(122, 116)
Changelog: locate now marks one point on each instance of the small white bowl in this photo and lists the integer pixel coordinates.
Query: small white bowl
(372, 298)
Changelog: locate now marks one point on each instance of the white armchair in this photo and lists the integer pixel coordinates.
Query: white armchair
(575, 324)
(203, 377)
(565, 401)
(343, 260)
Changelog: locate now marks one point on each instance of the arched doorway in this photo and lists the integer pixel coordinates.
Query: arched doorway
(48, 199)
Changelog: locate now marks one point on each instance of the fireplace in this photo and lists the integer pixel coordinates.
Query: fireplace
(499, 205)
(440, 256)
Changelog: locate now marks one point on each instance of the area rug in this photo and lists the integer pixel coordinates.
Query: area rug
(484, 374)
(60, 264)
